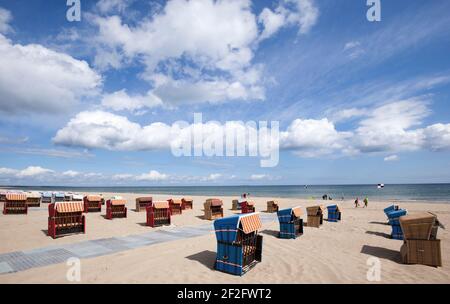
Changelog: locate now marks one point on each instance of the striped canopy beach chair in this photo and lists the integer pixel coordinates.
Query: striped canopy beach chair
(239, 246)
(92, 203)
(34, 199)
(66, 218)
(15, 203)
(116, 208)
(175, 206)
(188, 203)
(158, 214)
(213, 208)
(143, 202)
(291, 223)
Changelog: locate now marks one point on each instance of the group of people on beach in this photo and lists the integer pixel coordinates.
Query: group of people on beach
(366, 202)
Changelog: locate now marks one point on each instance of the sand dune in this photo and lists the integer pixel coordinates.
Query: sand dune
(334, 253)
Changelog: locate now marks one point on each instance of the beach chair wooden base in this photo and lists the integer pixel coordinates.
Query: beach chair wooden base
(66, 225)
(425, 252)
(315, 221)
(15, 208)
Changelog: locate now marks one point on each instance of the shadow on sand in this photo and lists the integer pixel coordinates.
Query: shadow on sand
(382, 253)
(377, 233)
(207, 258)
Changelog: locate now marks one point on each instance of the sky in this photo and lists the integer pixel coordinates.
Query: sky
(98, 102)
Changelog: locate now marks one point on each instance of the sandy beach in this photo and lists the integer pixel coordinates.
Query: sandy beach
(334, 253)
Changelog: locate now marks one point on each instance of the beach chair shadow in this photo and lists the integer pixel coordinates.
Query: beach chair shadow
(270, 232)
(379, 223)
(377, 233)
(202, 217)
(206, 258)
(45, 231)
(382, 253)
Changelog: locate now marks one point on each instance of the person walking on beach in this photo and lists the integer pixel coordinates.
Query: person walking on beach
(356, 202)
(366, 202)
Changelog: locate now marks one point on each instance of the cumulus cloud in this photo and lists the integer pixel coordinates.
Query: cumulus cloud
(153, 175)
(120, 100)
(36, 79)
(5, 19)
(301, 13)
(256, 177)
(31, 171)
(392, 128)
(108, 6)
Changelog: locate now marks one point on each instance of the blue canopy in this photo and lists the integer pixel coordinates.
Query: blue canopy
(396, 214)
(58, 194)
(46, 194)
(390, 209)
(285, 215)
(332, 208)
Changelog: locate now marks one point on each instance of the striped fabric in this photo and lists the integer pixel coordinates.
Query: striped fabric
(251, 222)
(67, 207)
(297, 211)
(94, 198)
(118, 202)
(16, 197)
(161, 205)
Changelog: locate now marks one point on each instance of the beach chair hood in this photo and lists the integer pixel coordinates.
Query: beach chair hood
(285, 215)
(69, 207)
(34, 195)
(161, 205)
(146, 199)
(214, 202)
(16, 197)
(227, 228)
(118, 202)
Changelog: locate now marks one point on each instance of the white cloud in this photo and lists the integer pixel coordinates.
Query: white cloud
(5, 19)
(153, 175)
(31, 171)
(36, 79)
(71, 173)
(122, 177)
(256, 177)
(312, 138)
(271, 21)
(120, 100)
(391, 158)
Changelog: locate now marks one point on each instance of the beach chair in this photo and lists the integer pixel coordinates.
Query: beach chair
(143, 202)
(158, 214)
(3, 196)
(188, 203)
(235, 204)
(46, 197)
(77, 198)
(394, 221)
(239, 246)
(67, 196)
(334, 213)
(33, 199)
(291, 223)
(15, 203)
(247, 207)
(272, 206)
(315, 216)
(92, 203)
(390, 209)
(213, 208)
(175, 206)
(57, 197)
(420, 245)
(65, 218)
(116, 208)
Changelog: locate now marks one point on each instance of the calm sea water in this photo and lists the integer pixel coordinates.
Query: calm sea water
(419, 192)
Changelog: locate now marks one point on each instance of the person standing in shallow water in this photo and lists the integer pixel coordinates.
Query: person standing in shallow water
(366, 202)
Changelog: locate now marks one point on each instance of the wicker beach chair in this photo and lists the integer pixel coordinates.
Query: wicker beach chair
(291, 223)
(239, 246)
(15, 203)
(66, 218)
(272, 206)
(188, 203)
(176, 206)
(247, 207)
(213, 208)
(315, 216)
(116, 208)
(92, 203)
(334, 213)
(143, 202)
(158, 214)
(34, 199)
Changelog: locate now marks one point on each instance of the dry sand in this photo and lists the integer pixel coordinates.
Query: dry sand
(334, 253)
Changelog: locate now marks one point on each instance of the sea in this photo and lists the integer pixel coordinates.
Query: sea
(433, 193)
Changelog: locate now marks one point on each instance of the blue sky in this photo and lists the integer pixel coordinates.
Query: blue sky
(93, 102)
